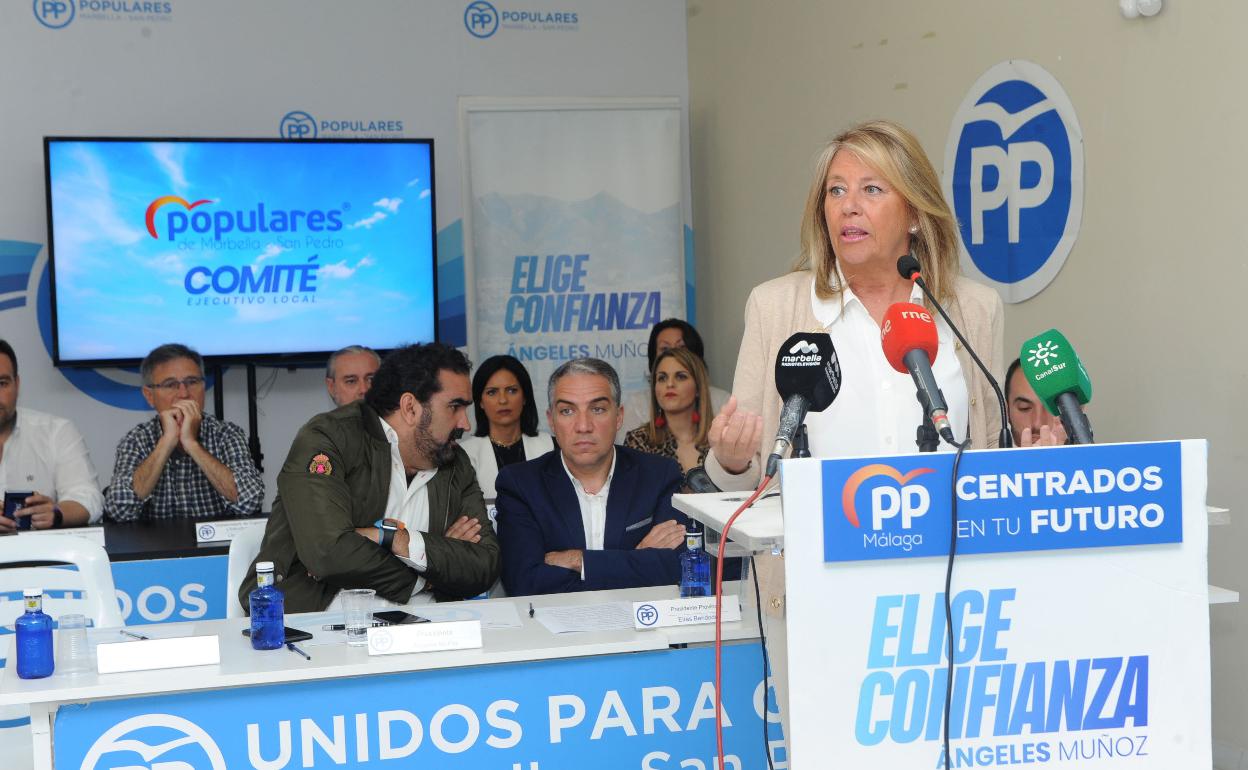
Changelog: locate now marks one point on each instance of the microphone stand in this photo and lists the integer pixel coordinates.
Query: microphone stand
(1007, 439)
(801, 442)
(926, 437)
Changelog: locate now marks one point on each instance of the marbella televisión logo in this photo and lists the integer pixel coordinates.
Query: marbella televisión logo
(177, 742)
(57, 14)
(482, 19)
(1014, 175)
(299, 124)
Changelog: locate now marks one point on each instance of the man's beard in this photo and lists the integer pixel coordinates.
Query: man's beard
(7, 421)
(439, 453)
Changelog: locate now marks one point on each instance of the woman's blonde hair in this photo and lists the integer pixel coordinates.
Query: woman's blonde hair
(895, 154)
(702, 402)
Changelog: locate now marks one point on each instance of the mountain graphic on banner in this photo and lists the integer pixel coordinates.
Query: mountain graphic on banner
(613, 232)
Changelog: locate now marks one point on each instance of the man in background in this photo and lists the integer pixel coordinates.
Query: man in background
(44, 455)
(349, 373)
(182, 462)
(591, 515)
(1030, 421)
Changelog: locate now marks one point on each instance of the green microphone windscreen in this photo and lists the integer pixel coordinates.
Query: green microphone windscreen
(1051, 366)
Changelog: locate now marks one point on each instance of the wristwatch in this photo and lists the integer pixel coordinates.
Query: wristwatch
(385, 533)
(58, 518)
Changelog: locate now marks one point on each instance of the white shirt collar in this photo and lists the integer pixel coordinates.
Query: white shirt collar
(827, 311)
(422, 477)
(580, 488)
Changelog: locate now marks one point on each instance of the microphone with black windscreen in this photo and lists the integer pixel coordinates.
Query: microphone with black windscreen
(808, 377)
(909, 268)
(910, 343)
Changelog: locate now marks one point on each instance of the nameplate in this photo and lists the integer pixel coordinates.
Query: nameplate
(154, 654)
(94, 534)
(693, 611)
(424, 637)
(225, 530)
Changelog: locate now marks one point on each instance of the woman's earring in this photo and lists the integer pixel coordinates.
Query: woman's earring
(914, 229)
(660, 421)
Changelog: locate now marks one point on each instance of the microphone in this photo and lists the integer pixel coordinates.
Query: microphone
(1057, 375)
(808, 376)
(909, 268)
(699, 481)
(910, 342)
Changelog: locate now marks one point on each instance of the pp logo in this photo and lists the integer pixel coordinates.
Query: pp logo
(207, 532)
(178, 742)
(480, 19)
(380, 640)
(905, 500)
(54, 14)
(297, 124)
(1014, 174)
(804, 348)
(647, 615)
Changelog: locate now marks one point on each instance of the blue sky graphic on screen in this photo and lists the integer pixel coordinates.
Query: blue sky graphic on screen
(240, 248)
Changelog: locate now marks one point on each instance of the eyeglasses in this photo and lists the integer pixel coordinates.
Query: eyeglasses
(171, 384)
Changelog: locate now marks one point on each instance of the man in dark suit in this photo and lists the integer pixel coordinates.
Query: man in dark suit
(589, 515)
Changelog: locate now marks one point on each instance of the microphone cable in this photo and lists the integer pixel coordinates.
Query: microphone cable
(762, 639)
(719, 639)
(953, 550)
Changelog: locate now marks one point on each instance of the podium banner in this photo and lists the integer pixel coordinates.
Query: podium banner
(1079, 605)
(1082, 497)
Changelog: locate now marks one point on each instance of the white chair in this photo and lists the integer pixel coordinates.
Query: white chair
(243, 550)
(87, 589)
(92, 580)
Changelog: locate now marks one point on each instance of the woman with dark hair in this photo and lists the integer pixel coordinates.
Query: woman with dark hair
(506, 418)
(678, 400)
(665, 335)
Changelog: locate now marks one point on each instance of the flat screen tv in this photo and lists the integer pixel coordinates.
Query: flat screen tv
(245, 249)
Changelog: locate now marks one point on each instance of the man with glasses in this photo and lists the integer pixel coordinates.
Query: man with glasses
(182, 462)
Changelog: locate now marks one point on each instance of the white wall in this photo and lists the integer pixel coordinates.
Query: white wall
(1149, 295)
(234, 68)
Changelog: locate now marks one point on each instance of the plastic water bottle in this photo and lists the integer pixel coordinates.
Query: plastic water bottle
(268, 621)
(695, 564)
(34, 638)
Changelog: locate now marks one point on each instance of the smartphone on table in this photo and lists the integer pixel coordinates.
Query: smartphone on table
(398, 617)
(292, 634)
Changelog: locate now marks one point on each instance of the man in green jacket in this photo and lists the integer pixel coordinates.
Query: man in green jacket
(391, 458)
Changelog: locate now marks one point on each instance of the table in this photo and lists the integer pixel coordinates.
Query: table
(527, 699)
(162, 575)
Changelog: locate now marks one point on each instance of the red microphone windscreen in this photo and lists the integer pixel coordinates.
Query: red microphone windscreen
(908, 326)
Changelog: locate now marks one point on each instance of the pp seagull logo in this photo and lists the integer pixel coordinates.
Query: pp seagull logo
(152, 207)
(181, 733)
(804, 348)
(1040, 354)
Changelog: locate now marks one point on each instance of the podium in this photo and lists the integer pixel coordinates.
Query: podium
(1079, 598)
